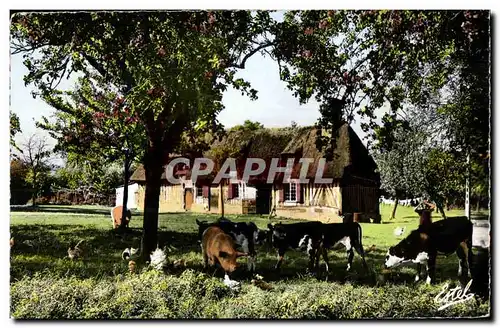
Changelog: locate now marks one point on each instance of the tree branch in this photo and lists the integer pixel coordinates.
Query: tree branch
(241, 65)
(95, 64)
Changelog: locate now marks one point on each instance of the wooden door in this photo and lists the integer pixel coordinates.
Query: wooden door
(263, 199)
(188, 198)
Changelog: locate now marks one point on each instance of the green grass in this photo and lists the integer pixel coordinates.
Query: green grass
(41, 271)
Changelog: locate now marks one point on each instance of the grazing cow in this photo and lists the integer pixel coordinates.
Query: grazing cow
(349, 234)
(219, 247)
(116, 216)
(261, 237)
(422, 245)
(284, 236)
(244, 234)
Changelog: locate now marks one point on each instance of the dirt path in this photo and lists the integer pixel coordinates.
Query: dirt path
(480, 234)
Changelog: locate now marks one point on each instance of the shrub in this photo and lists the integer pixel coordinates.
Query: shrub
(195, 295)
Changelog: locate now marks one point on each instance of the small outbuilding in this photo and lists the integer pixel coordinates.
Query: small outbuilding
(132, 195)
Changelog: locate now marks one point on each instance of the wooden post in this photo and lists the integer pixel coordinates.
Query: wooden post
(467, 190)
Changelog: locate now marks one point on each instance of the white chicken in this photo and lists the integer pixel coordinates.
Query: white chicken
(232, 284)
(158, 259)
(399, 231)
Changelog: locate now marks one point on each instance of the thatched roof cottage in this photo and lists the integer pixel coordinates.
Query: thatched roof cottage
(354, 187)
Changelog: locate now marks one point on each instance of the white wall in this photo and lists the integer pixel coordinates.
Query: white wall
(131, 203)
(246, 192)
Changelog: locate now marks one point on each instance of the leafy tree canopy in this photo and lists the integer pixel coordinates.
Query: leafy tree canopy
(15, 128)
(170, 68)
(356, 62)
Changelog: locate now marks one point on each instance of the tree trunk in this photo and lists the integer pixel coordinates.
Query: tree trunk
(393, 215)
(477, 205)
(221, 199)
(126, 178)
(154, 169)
(33, 197)
(441, 209)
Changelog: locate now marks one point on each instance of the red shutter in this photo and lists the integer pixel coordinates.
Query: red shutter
(281, 193)
(230, 191)
(206, 190)
(298, 193)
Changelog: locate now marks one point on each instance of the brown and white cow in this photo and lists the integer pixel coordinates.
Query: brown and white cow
(423, 244)
(292, 236)
(348, 234)
(219, 247)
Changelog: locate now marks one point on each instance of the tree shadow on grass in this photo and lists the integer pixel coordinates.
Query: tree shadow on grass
(47, 253)
(61, 209)
(44, 248)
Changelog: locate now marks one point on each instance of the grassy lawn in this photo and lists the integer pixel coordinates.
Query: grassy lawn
(46, 284)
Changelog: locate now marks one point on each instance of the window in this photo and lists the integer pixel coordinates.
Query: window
(199, 191)
(290, 192)
(236, 190)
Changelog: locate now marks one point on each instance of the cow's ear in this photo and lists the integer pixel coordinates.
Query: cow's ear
(270, 226)
(222, 254)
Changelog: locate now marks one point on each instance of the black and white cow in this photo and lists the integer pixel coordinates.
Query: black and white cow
(349, 234)
(285, 236)
(243, 233)
(423, 244)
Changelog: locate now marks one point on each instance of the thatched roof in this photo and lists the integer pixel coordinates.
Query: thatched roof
(349, 156)
(139, 175)
(261, 143)
(349, 153)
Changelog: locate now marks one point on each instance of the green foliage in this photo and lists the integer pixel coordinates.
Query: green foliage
(402, 168)
(445, 176)
(415, 167)
(36, 155)
(194, 296)
(148, 295)
(20, 190)
(356, 62)
(88, 177)
(248, 125)
(169, 68)
(15, 128)
(95, 123)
